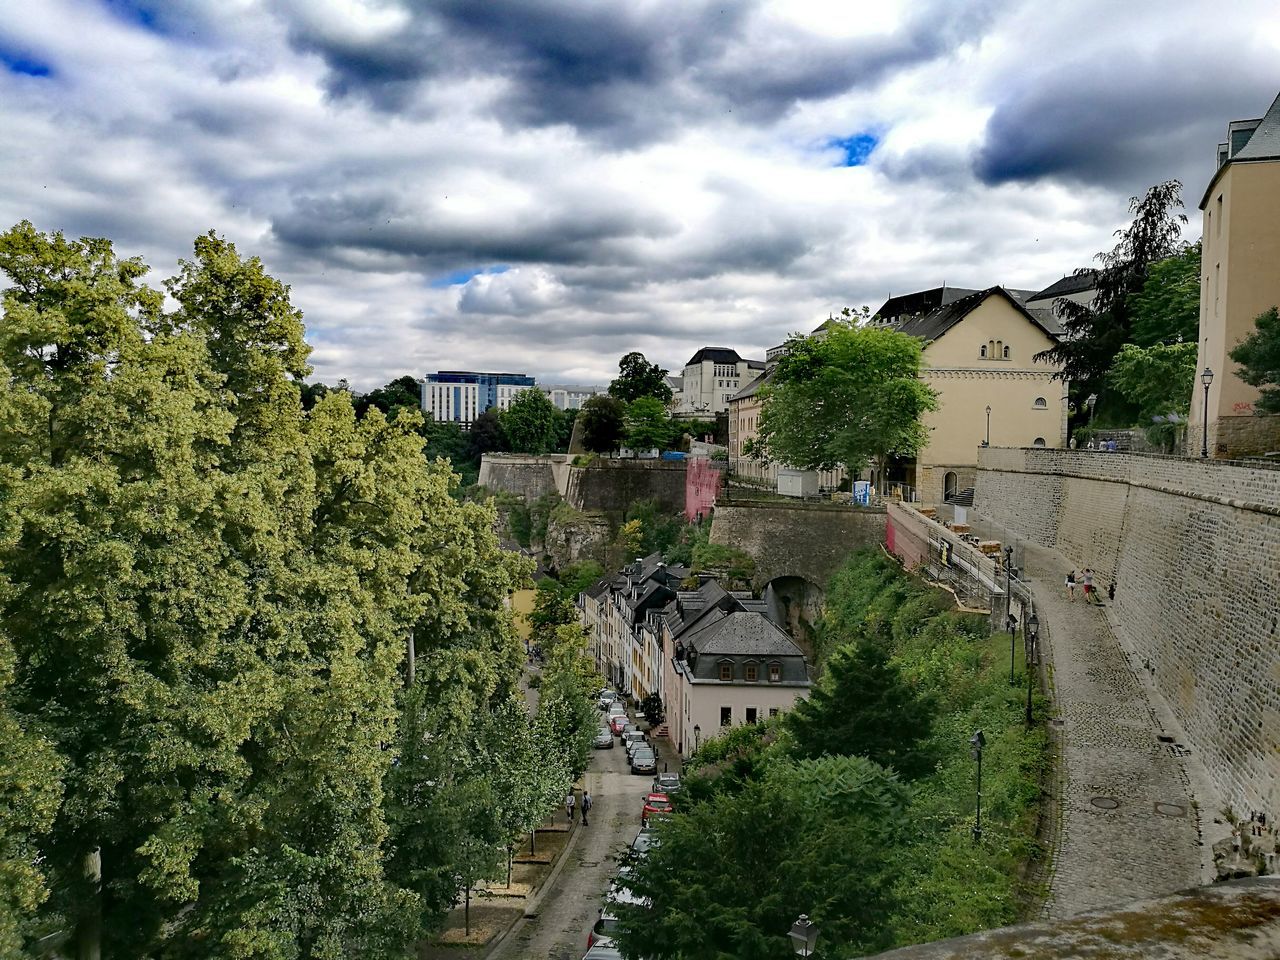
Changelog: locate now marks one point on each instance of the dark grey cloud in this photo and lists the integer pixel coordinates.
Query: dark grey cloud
(1124, 118)
(624, 74)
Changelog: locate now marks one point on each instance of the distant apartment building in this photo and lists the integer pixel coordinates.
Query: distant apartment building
(711, 378)
(571, 396)
(459, 396)
(1239, 280)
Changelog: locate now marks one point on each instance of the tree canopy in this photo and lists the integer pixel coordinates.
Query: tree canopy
(648, 425)
(531, 423)
(851, 397)
(1094, 333)
(1158, 380)
(207, 594)
(1167, 308)
(1259, 357)
(603, 426)
(638, 378)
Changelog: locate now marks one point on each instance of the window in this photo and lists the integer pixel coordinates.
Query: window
(753, 715)
(1041, 403)
(726, 716)
(726, 669)
(775, 672)
(1038, 442)
(752, 673)
(773, 711)
(1006, 353)
(982, 351)
(1219, 226)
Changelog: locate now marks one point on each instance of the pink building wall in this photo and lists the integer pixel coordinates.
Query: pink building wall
(702, 482)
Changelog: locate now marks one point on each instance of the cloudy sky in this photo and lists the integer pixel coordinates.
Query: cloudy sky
(543, 185)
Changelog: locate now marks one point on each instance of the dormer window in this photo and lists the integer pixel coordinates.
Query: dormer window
(775, 672)
(751, 672)
(726, 670)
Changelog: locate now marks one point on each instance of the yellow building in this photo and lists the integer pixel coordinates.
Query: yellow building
(979, 355)
(1240, 278)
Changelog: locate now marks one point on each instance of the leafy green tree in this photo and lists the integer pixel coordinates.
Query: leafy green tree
(311, 393)
(1259, 357)
(531, 423)
(1158, 380)
(647, 424)
(1095, 333)
(487, 435)
(603, 426)
(401, 393)
(863, 706)
(852, 397)
(1167, 308)
(651, 707)
(732, 873)
(638, 378)
(567, 717)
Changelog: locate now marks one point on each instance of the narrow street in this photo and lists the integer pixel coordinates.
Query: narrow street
(568, 910)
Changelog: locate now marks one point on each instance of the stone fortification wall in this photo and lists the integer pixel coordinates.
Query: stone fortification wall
(806, 540)
(526, 476)
(610, 486)
(1194, 549)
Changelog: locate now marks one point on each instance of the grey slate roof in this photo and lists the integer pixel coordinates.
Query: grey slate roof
(740, 636)
(1264, 142)
(920, 302)
(937, 322)
(1075, 283)
(751, 388)
(714, 355)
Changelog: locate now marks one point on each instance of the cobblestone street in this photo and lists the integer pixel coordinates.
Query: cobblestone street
(1128, 828)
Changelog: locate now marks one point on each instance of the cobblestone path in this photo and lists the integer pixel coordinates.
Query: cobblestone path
(1127, 829)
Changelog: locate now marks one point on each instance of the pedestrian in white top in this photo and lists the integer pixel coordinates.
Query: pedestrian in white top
(569, 802)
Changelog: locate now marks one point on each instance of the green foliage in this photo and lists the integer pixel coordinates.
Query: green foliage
(1095, 333)
(1167, 308)
(486, 435)
(206, 593)
(602, 423)
(851, 397)
(690, 538)
(577, 577)
(651, 707)
(722, 560)
(400, 394)
(1259, 357)
(647, 424)
(1158, 380)
(531, 423)
(567, 717)
(638, 378)
(658, 530)
(779, 819)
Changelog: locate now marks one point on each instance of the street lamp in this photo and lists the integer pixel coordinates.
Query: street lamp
(1031, 637)
(697, 737)
(804, 936)
(1206, 378)
(976, 743)
(987, 442)
(1010, 621)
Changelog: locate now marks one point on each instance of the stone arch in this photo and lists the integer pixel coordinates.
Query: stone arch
(796, 603)
(949, 486)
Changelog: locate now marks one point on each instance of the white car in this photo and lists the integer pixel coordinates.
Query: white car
(616, 709)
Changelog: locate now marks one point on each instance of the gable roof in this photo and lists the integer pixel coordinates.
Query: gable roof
(936, 323)
(920, 302)
(1263, 144)
(754, 386)
(1075, 283)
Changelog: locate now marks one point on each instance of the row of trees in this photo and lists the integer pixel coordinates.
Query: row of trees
(259, 691)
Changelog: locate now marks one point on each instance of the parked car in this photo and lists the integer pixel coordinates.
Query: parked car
(602, 951)
(655, 804)
(604, 739)
(628, 727)
(644, 760)
(632, 738)
(616, 708)
(618, 722)
(666, 783)
(645, 839)
(606, 697)
(605, 929)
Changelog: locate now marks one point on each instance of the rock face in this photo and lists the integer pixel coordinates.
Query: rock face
(573, 537)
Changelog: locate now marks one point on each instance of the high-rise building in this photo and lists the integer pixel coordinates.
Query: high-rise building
(459, 396)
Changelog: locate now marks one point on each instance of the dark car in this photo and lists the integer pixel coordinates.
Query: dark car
(632, 739)
(643, 760)
(667, 783)
(604, 739)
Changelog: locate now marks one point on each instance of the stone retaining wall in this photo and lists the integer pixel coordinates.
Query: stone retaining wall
(1194, 549)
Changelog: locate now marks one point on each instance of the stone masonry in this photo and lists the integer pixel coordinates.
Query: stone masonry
(1194, 549)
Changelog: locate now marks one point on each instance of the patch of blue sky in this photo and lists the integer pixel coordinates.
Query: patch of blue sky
(131, 11)
(856, 149)
(23, 64)
(458, 277)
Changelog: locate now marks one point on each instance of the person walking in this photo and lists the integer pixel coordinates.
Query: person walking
(569, 802)
(1071, 586)
(587, 803)
(1089, 596)
(1111, 591)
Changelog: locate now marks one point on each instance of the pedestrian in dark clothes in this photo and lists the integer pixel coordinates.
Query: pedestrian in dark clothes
(1111, 591)
(586, 806)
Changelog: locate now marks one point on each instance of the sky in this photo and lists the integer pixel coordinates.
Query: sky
(541, 186)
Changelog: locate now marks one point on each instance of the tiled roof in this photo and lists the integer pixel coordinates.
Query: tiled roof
(937, 322)
(1264, 142)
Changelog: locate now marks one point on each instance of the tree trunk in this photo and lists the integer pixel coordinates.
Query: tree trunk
(466, 913)
(412, 670)
(89, 929)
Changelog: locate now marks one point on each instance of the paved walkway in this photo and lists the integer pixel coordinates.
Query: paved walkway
(1128, 828)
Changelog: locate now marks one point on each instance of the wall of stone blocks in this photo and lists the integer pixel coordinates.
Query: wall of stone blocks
(610, 486)
(526, 476)
(1194, 548)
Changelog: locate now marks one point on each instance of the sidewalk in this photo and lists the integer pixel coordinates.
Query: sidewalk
(1128, 823)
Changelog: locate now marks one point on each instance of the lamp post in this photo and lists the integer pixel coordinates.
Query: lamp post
(987, 442)
(1206, 378)
(697, 737)
(1031, 637)
(1010, 621)
(804, 936)
(976, 743)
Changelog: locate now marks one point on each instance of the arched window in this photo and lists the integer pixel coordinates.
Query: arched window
(1038, 442)
(1006, 353)
(1041, 403)
(982, 351)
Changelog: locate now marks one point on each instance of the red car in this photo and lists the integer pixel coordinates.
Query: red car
(617, 723)
(655, 804)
